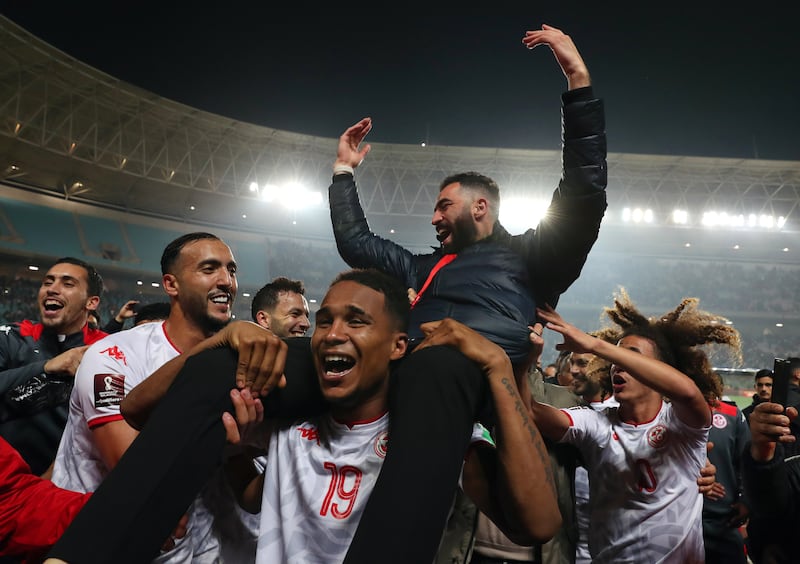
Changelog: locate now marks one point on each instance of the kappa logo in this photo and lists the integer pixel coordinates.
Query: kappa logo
(116, 353)
(309, 433)
(381, 444)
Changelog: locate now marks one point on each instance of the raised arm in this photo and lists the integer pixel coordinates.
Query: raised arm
(563, 238)
(687, 400)
(514, 487)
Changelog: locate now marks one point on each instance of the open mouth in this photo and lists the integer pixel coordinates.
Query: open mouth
(337, 364)
(221, 299)
(53, 305)
(442, 234)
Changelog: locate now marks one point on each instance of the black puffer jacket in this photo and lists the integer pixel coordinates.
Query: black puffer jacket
(493, 286)
(34, 405)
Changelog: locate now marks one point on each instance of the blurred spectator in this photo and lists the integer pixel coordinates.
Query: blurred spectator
(771, 480)
(724, 515)
(763, 387)
(117, 323)
(156, 311)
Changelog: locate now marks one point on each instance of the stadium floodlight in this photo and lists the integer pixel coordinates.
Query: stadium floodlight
(723, 219)
(520, 213)
(292, 196)
(680, 217)
(637, 215)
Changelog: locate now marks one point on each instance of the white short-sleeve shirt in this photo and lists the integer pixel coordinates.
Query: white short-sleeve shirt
(645, 504)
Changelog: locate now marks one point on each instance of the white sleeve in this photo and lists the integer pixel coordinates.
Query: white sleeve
(100, 383)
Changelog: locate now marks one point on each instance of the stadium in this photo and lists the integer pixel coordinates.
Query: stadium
(99, 169)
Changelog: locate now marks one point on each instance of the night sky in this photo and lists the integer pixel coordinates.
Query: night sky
(678, 82)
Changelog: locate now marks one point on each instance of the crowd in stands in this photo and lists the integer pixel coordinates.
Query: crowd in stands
(754, 296)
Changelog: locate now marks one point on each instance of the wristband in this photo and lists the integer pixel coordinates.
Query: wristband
(342, 168)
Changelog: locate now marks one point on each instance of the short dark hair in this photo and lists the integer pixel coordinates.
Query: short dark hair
(794, 364)
(93, 278)
(395, 294)
(764, 372)
(155, 311)
(477, 182)
(267, 296)
(174, 248)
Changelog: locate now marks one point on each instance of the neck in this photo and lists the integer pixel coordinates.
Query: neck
(640, 411)
(183, 333)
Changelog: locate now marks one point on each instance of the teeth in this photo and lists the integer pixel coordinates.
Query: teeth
(336, 358)
(220, 300)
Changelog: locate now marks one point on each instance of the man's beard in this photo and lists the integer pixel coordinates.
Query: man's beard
(463, 233)
(197, 311)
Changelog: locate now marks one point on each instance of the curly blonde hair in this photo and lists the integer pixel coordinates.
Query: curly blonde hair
(678, 336)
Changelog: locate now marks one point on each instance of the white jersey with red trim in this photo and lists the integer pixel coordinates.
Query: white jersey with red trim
(314, 494)
(108, 371)
(582, 510)
(110, 368)
(645, 504)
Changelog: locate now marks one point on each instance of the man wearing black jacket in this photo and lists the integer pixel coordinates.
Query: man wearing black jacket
(38, 360)
(493, 285)
(771, 479)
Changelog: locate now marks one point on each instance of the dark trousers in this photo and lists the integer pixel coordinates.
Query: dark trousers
(434, 396)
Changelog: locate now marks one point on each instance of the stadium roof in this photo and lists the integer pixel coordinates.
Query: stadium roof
(72, 132)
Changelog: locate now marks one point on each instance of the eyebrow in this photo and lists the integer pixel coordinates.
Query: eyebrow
(351, 309)
(61, 276)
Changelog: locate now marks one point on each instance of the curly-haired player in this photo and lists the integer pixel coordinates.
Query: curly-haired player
(643, 456)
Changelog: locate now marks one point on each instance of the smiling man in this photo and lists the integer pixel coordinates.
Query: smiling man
(199, 277)
(360, 332)
(281, 307)
(38, 361)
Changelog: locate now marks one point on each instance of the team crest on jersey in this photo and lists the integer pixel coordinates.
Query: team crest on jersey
(719, 421)
(657, 436)
(109, 389)
(381, 444)
(116, 353)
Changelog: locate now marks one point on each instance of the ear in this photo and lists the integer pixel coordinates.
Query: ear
(262, 318)
(92, 303)
(480, 208)
(400, 345)
(170, 283)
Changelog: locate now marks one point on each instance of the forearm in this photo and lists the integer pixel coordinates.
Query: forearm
(651, 372)
(525, 480)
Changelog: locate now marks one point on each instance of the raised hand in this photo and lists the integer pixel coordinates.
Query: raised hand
(262, 355)
(349, 153)
(565, 51)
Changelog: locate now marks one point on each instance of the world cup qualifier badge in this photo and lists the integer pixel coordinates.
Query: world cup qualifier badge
(109, 389)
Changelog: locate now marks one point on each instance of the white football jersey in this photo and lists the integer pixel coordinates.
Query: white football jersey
(582, 510)
(314, 495)
(645, 504)
(110, 368)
